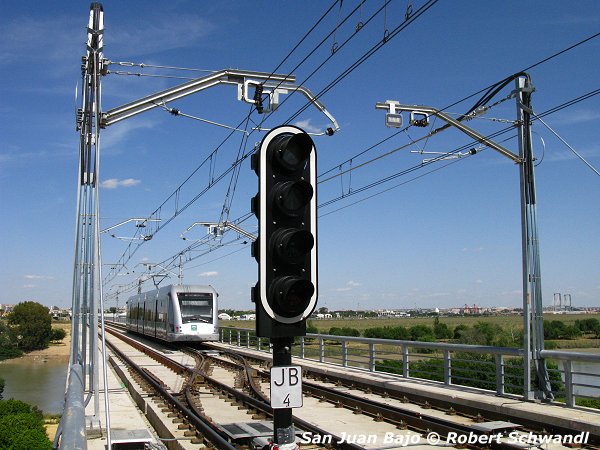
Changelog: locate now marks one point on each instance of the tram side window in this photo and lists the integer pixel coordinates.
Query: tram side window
(161, 315)
(150, 312)
(171, 315)
(196, 307)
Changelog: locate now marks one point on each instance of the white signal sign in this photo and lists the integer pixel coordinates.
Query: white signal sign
(286, 387)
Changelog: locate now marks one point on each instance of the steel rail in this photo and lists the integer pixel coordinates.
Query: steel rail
(444, 405)
(425, 401)
(418, 421)
(264, 406)
(258, 404)
(205, 429)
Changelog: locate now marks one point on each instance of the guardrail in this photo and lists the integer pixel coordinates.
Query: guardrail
(580, 373)
(496, 369)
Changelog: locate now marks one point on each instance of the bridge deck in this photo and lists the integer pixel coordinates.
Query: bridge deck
(575, 419)
(127, 422)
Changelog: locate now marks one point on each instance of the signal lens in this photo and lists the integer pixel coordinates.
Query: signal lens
(290, 152)
(292, 197)
(291, 245)
(291, 295)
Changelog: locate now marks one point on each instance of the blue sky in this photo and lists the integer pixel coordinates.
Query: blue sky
(447, 238)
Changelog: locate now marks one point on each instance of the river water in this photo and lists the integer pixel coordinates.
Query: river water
(588, 374)
(36, 382)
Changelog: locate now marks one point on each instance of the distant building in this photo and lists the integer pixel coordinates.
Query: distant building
(323, 316)
(5, 308)
(58, 313)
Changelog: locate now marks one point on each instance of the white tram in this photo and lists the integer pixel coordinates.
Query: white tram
(175, 313)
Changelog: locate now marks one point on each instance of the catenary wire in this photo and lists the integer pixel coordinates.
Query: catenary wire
(567, 144)
(543, 114)
(367, 55)
(534, 65)
(175, 193)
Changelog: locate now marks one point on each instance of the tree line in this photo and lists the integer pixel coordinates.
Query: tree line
(482, 333)
(557, 329)
(27, 327)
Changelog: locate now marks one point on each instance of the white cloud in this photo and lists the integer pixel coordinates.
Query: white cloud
(439, 294)
(576, 117)
(209, 274)
(159, 34)
(21, 39)
(114, 135)
(472, 249)
(39, 277)
(349, 286)
(28, 286)
(306, 126)
(114, 183)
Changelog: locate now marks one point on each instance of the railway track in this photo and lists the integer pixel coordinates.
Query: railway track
(212, 404)
(424, 413)
(225, 396)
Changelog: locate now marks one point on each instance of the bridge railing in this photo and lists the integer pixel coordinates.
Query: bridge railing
(496, 369)
(580, 375)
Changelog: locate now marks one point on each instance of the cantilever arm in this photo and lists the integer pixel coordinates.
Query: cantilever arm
(183, 90)
(457, 124)
(314, 100)
(227, 76)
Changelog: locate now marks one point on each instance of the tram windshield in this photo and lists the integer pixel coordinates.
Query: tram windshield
(196, 307)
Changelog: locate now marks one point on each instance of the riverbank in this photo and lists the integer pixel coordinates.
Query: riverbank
(53, 359)
(56, 351)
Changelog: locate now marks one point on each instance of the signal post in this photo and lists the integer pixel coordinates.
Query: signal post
(286, 250)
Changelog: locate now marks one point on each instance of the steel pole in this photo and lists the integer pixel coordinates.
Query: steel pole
(527, 392)
(283, 427)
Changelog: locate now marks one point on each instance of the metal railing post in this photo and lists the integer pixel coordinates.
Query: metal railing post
(505, 374)
(321, 349)
(499, 374)
(239, 338)
(569, 394)
(405, 364)
(447, 368)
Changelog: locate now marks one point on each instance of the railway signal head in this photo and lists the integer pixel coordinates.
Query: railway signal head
(286, 248)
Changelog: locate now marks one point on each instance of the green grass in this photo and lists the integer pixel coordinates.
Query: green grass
(513, 322)
(452, 321)
(569, 344)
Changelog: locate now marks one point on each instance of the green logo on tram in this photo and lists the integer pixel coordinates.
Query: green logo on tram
(194, 327)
